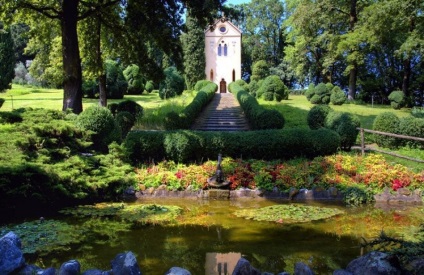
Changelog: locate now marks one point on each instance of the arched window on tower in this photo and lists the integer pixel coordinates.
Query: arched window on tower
(225, 50)
(219, 50)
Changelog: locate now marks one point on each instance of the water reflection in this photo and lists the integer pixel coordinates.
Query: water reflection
(209, 238)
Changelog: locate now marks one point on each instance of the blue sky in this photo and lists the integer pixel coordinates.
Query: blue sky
(236, 2)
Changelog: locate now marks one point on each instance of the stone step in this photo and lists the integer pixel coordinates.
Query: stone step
(222, 114)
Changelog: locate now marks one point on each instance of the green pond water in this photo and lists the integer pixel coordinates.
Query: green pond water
(209, 238)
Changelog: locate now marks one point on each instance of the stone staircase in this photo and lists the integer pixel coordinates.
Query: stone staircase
(223, 113)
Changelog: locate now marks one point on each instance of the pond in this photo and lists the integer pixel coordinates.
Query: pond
(209, 237)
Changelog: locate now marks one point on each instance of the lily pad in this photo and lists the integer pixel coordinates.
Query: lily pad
(140, 213)
(287, 214)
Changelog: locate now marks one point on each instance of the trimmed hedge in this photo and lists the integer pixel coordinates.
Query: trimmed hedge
(188, 146)
(386, 122)
(185, 119)
(412, 126)
(259, 118)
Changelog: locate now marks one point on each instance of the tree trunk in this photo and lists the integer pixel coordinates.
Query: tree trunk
(100, 68)
(72, 83)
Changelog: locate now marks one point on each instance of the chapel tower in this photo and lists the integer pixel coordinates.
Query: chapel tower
(223, 53)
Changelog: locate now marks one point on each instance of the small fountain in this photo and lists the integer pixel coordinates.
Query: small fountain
(218, 180)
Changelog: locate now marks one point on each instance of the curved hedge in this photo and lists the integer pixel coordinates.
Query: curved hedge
(187, 146)
(186, 118)
(259, 118)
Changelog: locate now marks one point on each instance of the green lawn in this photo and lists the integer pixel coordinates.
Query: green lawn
(295, 111)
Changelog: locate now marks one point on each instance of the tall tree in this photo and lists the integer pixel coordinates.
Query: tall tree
(194, 51)
(7, 59)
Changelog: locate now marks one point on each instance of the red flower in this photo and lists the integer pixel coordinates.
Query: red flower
(396, 184)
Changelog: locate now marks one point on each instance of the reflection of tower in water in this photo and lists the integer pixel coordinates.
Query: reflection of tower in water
(221, 263)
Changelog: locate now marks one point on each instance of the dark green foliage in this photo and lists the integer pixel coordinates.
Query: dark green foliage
(397, 99)
(100, 121)
(253, 87)
(2, 100)
(10, 117)
(113, 108)
(130, 106)
(259, 118)
(189, 146)
(90, 88)
(115, 80)
(44, 164)
(337, 97)
(357, 196)
(149, 87)
(7, 59)
(273, 88)
(411, 126)
(185, 119)
(125, 121)
(417, 112)
(134, 79)
(194, 52)
(386, 122)
(183, 146)
(345, 124)
(172, 85)
(200, 84)
(260, 70)
(316, 116)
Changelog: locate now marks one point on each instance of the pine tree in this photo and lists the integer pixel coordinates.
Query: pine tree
(7, 59)
(194, 52)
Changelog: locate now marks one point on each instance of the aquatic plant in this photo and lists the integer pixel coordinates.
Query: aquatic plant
(288, 213)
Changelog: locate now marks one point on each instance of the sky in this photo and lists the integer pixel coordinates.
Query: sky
(236, 2)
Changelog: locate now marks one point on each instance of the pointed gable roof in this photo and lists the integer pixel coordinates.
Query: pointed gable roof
(223, 20)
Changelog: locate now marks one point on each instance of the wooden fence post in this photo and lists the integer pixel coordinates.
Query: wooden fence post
(362, 141)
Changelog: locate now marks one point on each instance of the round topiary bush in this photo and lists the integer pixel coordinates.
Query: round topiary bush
(125, 121)
(253, 87)
(397, 99)
(386, 122)
(242, 84)
(412, 126)
(130, 106)
(149, 87)
(260, 70)
(172, 85)
(134, 79)
(316, 116)
(273, 88)
(338, 97)
(100, 121)
(115, 80)
(112, 108)
(310, 92)
(345, 124)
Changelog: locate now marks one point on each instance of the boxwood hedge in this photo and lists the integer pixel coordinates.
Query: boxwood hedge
(188, 146)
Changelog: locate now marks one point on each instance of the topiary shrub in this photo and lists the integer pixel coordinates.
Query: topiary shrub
(253, 87)
(130, 106)
(386, 122)
(101, 122)
(411, 126)
(260, 70)
(115, 80)
(172, 85)
(316, 116)
(310, 92)
(134, 79)
(200, 84)
(338, 97)
(125, 121)
(149, 87)
(112, 108)
(322, 93)
(183, 146)
(397, 99)
(273, 88)
(345, 124)
(242, 84)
